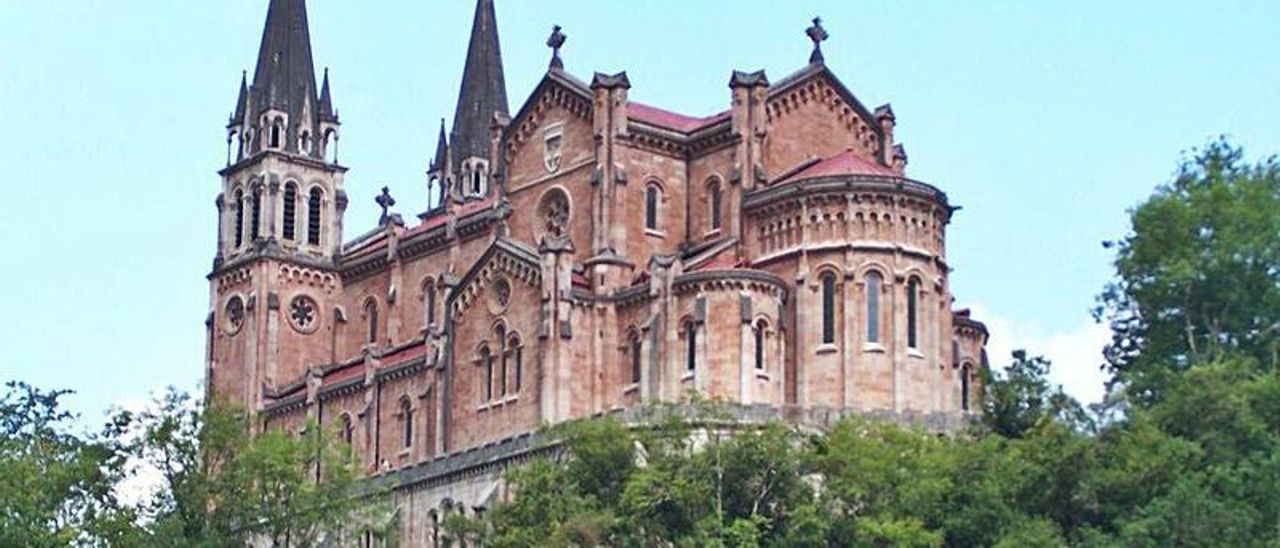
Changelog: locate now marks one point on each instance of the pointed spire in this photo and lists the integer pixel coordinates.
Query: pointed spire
(326, 100)
(242, 101)
(442, 148)
(284, 78)
(484, 90)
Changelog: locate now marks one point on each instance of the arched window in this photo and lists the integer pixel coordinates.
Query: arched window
(429, 303)
(652, 198)
(406, 419)
(304, 142)
(760, 329)
(913, 298)
(256, 204)
(313, 217)
(635, 349)
(348, 429)
(517, 349)
(477, 178)
(486, 361)
(966, 374)
(691, 340)
(713, 199)
(290, 210)
(239, 217)
(276, 130)
(371, 319)
(504, 357)
(828, 282)
(873, 307)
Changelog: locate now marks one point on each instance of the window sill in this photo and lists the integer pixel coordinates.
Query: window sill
(873, 348)
(688, 376)
(655, 233)
(763, 376)
(826, 348)
(630, 388)
(915, 353)
(713, 233)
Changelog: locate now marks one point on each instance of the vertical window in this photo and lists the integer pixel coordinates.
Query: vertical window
(504, 356)
(239, 218)
(488, 374)
(913, 297)
(313, 217)
(713, 197)
(873, 307)
(518, 349)
(429, 301)
(828, 281)
(759, 334)
(691, 337)
(290, 210)
(371, 316)
(406, 416)
(348, 429)
(256, 204)
(635, 358)
(275, 134)
(651, 198)
(965, 374)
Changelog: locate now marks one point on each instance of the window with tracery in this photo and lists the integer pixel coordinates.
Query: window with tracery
(304, 314)
(235, 314)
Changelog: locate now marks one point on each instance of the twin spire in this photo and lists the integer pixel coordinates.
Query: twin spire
(483, 92)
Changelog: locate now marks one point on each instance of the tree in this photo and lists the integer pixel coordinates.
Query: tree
(1021, 398)
(1198, 276)
(223, 486)
(55, 485)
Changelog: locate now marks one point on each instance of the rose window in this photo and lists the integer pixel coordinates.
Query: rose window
(235, 314)
(303, 313)
(501, 294)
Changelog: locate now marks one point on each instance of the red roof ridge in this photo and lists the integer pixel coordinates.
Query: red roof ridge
(672, 120)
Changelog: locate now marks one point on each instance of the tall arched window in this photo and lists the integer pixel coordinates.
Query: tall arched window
(239, 217)
(691, 343)
(313, 217)
(873, 307)
(652, 198)
(486, 361)
(348, 429)
(966, 374)
(406, 421)
(290, 210)
(517, 350)
(828, 282)
(634, 349)
(429, 303)
(913, 300)
(256, 204)
(713, 199)
(371, 319)
(504, 356)
(276, 130)
(760, 329)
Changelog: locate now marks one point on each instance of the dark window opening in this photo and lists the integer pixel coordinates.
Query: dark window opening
(406, 415)
(488, 375)
(873, 308)
(431, 303)
(691, 334)
(290, 210)
(760, 328)
(635, 359)
(964, 388)
(239, 218)
(313, 217)
(913, 291)
(519, 352)
(715, 206)
(256, 204)
(371, 316)
(651, 208)
(828, 308)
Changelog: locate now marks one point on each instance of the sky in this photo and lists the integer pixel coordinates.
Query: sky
(1045, 120)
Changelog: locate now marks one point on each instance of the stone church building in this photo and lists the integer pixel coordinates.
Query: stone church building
(582, 254)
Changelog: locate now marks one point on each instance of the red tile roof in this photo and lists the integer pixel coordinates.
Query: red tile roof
(671, 120)
(845, 163)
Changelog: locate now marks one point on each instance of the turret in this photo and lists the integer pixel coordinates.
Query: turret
(482, 95)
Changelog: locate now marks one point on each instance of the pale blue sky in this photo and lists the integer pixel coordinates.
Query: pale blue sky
(1045, 120)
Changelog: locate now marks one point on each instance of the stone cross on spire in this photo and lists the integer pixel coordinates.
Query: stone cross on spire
(385, 201)
(555, 41)
(818, 35)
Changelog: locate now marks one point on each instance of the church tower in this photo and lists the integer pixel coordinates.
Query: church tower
(280, 214)
(482, 108)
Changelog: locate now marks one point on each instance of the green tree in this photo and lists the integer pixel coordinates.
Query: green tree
(1198, 276)
(56, 486)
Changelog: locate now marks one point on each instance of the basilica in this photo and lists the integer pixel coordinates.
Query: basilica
(582, 255)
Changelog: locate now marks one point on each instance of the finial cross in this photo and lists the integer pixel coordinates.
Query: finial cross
(818, 35)
(385, 201)
(555, 41)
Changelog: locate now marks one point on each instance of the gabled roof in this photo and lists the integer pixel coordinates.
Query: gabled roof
(816, 70)
(671, 120)
(483, 91)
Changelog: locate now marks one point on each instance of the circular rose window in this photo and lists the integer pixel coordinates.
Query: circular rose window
(304, 314)
(235, 314)
(500, 295)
